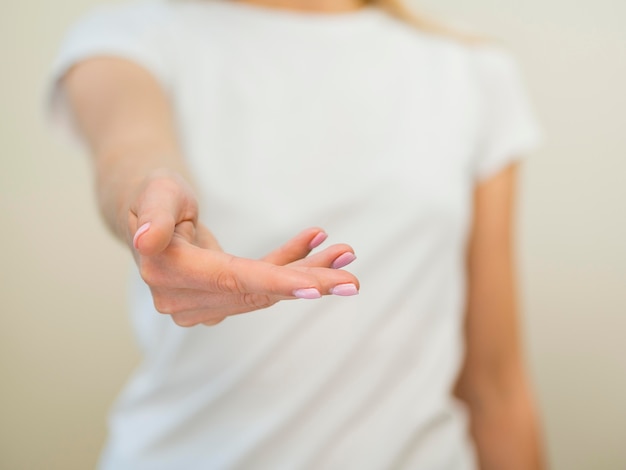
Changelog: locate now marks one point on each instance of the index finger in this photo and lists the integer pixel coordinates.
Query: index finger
(223, 273)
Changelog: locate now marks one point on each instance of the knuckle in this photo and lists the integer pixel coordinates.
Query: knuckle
(226, 281)
(164, 304)
(214, 321)
(146, 273)
(184, 321)
(149, 273)
(257, 301)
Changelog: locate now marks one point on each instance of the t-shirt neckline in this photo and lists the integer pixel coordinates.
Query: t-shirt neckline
(247, 11)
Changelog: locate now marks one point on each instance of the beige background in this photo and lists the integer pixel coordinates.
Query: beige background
(65, 345)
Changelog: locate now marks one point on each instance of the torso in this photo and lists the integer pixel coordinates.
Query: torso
(362, 126)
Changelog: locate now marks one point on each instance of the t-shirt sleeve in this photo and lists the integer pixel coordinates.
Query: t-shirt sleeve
(134, 32)
(508, 129)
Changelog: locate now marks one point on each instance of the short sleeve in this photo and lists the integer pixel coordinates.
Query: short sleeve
(508, 127)
(136, 32)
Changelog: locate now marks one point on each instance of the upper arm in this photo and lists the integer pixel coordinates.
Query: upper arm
(493, 352)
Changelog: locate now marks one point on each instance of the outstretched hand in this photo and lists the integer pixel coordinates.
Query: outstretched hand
(194, 281)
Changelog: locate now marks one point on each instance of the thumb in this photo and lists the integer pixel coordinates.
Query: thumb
(159, 209)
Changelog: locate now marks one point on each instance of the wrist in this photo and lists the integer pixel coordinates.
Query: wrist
(120, 183)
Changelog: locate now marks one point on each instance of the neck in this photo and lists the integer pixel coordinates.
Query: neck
(313, 6)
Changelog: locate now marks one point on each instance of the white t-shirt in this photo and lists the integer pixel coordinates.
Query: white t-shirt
(360, 124)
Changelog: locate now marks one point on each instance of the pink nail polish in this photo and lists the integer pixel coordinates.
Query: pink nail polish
(311, 293)
(343, 260)
(318, 240)
(344, 290)
(140, 231)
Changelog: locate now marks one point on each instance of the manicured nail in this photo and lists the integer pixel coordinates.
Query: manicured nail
(343, 260)
(318, 240)
(311, 293)
(344, 290)
(140, 231)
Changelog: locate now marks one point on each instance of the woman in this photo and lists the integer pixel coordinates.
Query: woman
(243, 122)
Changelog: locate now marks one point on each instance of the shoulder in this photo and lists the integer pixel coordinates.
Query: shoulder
(488, 67)
(493, 63)
(136, 31)
(509, 127)
(455, 45)
(486, 61)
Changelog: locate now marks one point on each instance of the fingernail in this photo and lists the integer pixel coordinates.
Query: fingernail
(311, 293)
(344, 290)
(140, 231)
(343, 260)
(318, 240)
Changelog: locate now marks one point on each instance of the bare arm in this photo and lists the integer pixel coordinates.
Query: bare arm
(493, 381)
(125, 118)
(147, 200)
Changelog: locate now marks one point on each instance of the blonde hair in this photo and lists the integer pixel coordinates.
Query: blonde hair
(399, 9)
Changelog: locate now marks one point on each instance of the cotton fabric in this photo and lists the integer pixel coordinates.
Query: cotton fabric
(354, 122)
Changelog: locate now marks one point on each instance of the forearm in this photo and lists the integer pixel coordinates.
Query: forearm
(124, 116)
(493, 381)
(121, 174)
(505, 429)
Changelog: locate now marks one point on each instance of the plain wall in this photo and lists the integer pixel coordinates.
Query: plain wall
(65, 342)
